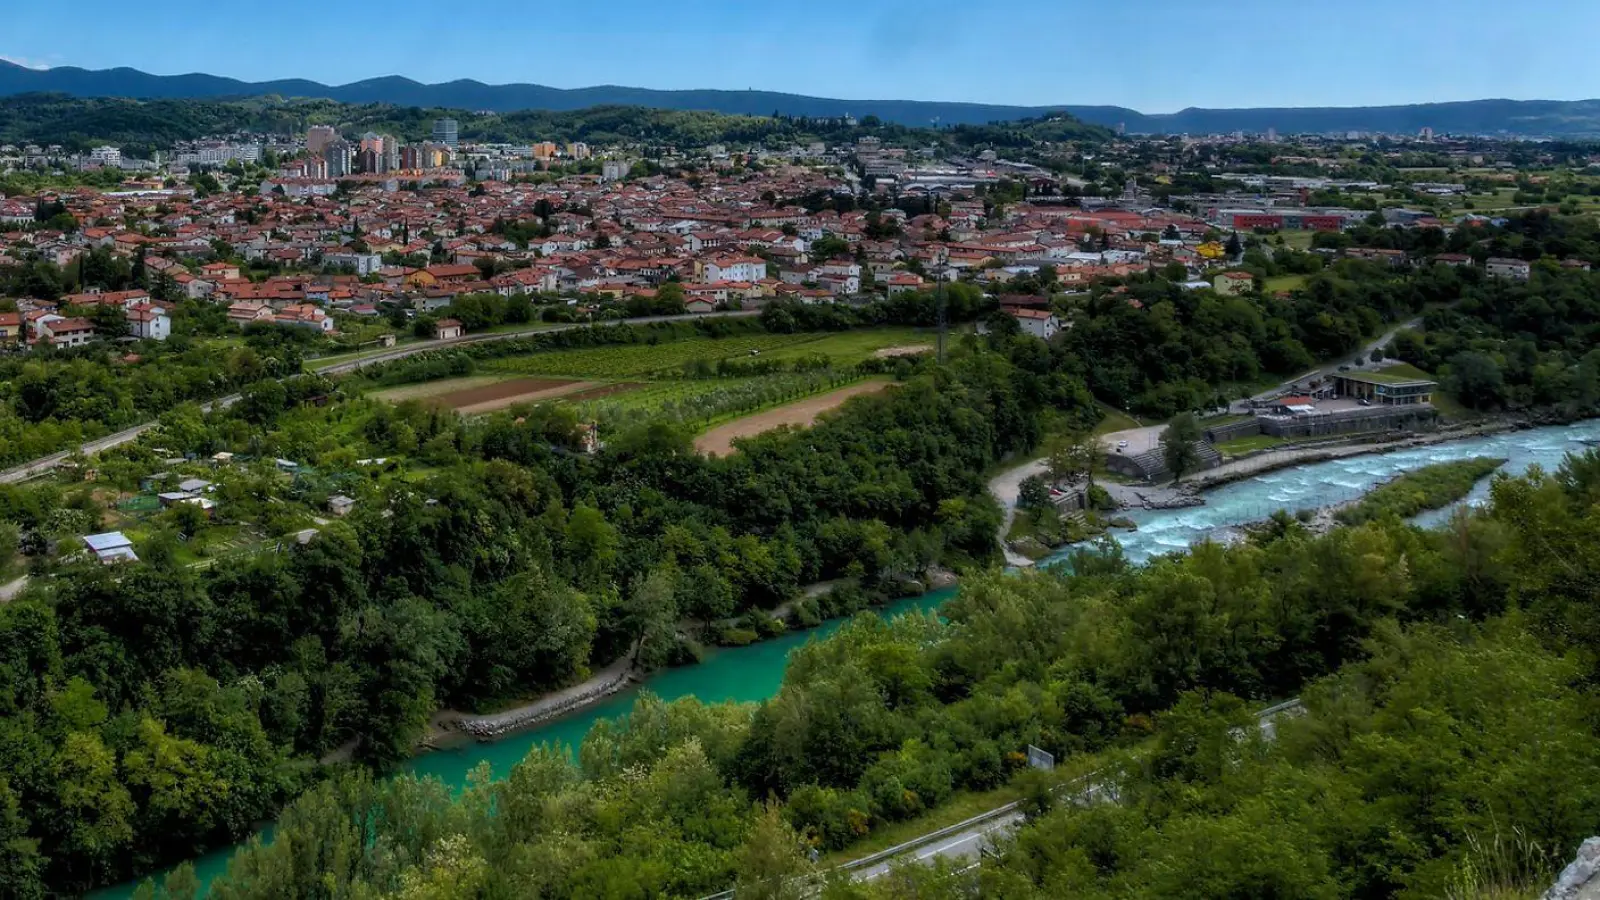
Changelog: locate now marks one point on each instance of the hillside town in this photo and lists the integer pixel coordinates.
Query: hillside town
(342, 232)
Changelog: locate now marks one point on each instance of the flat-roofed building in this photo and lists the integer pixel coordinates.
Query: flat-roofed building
(1384, 388)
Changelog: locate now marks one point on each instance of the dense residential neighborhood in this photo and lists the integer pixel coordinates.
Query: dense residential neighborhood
(347, 230)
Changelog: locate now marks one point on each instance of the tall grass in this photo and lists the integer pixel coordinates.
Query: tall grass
(1430, 487)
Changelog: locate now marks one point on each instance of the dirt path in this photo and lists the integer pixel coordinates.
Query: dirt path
(906, 350)
(11, 589)
(1007, 489)
(802, 413)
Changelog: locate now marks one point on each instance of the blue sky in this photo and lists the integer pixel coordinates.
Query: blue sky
(1152, 55)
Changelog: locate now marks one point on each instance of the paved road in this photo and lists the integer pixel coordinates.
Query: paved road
(963, 847)
(966, 845)
(45, 464)
(1364, 353)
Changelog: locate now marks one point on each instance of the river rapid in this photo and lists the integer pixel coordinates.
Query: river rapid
(1315, 485)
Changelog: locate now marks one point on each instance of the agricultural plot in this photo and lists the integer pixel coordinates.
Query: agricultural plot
(487, 393)
(719, 441)
(624, 385)
(641, 360)
(509, 393)
(430, 389)
(851, 347)
(631, 361)
(700, 403)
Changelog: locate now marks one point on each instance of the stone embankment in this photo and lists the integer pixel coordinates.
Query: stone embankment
(1581, 879)
(486, 728)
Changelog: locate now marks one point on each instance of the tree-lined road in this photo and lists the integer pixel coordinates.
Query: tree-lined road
(45, 464)
(963, 843)
(966, 841)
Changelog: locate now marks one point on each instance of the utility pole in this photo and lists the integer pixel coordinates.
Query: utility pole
(944, 319)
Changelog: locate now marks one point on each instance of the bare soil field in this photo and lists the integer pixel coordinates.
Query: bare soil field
(430, 389)
(491, 397)
(801, 413)
(601, 392)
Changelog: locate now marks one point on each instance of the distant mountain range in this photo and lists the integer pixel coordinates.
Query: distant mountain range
(1557, 118)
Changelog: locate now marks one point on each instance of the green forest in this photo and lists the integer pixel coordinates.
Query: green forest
(1448, 746)
(144, 126)
(499, 565)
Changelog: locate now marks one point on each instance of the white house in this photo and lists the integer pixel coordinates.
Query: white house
(63, 332)
(1516, 269)
(148, 321)
(363, 263)
(1037, 322)
(735, 268)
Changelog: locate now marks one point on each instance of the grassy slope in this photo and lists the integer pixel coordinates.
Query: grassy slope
(1251, 444)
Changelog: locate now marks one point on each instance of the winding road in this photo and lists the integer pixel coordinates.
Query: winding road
(45, 464)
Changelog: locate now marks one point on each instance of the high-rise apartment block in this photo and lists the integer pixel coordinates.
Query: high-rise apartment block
(319, 137)
(446, 132)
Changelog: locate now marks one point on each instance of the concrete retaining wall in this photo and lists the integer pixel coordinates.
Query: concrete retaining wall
(1234, 431)
(487, 727)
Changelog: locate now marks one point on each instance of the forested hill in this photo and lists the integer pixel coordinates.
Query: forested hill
(138, 125)
(1517, 117)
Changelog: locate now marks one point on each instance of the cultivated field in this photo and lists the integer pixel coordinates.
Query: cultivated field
(684, 382)
(431, 389)
(719, 441)
(487, 393)
(672, 359)
(509, 393)
(641, 360)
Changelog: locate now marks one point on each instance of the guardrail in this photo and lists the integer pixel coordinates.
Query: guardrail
(1264, 716)
(925, 839)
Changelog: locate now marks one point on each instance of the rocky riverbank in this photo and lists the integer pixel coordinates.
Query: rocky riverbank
(612, 679)
(1273, 460)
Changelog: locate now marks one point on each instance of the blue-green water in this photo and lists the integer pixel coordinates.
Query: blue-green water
(755, 672)
(1321, 484)
(742, 674)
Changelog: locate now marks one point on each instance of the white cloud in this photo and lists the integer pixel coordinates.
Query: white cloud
(25, 62)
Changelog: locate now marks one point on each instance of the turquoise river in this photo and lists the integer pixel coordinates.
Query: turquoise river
(754, 673)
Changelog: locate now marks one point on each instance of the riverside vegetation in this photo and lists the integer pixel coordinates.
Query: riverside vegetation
(1449, 739)
(152, 711)
(1427, 488)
